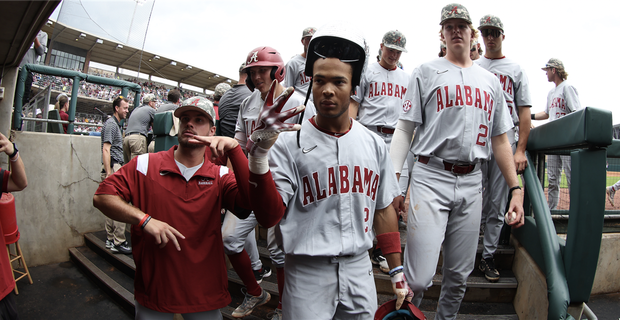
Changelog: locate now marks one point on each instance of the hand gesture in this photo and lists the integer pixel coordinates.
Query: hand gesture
(400, 287)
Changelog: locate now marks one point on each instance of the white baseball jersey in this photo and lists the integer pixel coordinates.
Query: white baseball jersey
(250, 110)
(296, 75)
(456, 110)
(381, 94)
(513, 80)
(562, 100)
(331, 187)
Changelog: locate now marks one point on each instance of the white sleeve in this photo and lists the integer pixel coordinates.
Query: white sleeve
(572, 98)
(289, 78)
(401, 143)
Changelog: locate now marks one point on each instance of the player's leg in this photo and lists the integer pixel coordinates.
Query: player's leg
(554, 171)
(205, 315)
(567, 169)
(311, 288)
(252, 249)
(432, 190)
(358, 300)
(144, 313)
(277, 261)
(459, 246)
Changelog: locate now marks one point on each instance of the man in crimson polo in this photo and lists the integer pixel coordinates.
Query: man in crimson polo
(177, 196)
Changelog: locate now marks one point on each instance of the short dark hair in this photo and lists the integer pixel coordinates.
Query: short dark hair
(117, 102)
(174, 95)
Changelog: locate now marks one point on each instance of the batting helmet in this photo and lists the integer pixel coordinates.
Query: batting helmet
(407, 311)
(342, 42)
(261, 57)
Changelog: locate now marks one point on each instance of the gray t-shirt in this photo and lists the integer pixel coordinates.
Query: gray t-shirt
(167, 107)
(111, 133)
(140, 120)
(229, 108)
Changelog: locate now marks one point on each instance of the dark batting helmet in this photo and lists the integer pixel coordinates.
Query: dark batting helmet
(265, 57)
(407, 311)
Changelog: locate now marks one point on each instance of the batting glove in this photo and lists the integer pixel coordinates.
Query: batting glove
(271, 121)
(400, 286)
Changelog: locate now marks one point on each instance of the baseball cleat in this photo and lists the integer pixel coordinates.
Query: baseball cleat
(487, 266)
(610, 195)
(250, 302)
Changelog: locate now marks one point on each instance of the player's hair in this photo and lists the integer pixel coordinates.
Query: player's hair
(480, 52)
(174, 95)
(61, 103)
(117, 102)
(561, 73)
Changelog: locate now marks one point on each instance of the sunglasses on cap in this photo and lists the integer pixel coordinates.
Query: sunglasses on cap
(493, 32)
(345, 52)
(474, 48)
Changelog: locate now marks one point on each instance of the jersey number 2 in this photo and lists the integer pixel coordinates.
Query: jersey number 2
(481, 141)
(367, 213)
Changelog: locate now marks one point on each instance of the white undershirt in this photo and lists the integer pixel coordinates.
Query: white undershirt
(188, 173)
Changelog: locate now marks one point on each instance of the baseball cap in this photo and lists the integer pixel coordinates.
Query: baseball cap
(308, 32)
(454, 11)
(200, 104)
(61, 95)
(473, 44)
(395, 39)
(148, 98)
(220, 89)
(490, 21)
(442, 45)
(242, 67)
(554, 63)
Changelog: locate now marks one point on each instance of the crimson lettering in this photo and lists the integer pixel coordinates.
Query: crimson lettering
(363, 181)
(462, 96)
(388, 90)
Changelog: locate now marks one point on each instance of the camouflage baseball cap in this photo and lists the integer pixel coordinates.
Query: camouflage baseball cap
(473, 44)
(220, 89)
(242, 67)
(308, 32)
(490, 21)
(454, 11)
(148, 98)
(554, 63)
(442, 45)
(395, 39)
(200, 104)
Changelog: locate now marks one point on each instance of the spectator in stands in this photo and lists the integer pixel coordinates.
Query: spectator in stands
(37, 49)
(174, 99)
(140, 120)
(230, 102)
(220, 89)
(14, 180)
(112, 158)
(63, 107)
(177, 196)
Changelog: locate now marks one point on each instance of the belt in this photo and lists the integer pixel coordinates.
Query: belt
(456, 169)
(385, 130)
(132, 133)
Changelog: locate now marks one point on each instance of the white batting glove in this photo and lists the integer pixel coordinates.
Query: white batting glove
(271, 122)
(400, 286)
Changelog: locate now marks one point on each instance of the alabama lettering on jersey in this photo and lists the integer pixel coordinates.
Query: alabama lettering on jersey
(250, 110)
(457, 111)
(381, 94)
(331, 187)
(296, 75)
(562, 100)
(513, 81)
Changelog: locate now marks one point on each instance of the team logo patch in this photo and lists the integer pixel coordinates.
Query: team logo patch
(407, 106)
(203, 182)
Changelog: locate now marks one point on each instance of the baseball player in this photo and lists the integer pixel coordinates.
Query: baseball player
(295, 68)
(561, 100)
(475, 51)
(515, 84)
(333, 185)
(442, 49)
(263, 65)
(378, 101)
(460, 114)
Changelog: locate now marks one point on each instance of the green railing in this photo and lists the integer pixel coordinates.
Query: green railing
(569, 265)
(77, 77)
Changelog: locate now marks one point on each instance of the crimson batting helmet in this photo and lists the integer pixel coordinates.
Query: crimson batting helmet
(265, 57)
(407, 311)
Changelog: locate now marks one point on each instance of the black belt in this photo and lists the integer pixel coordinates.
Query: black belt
(454, 168)
(385, 130)
(132, 133)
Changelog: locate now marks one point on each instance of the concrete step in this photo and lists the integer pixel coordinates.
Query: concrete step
(467, 311)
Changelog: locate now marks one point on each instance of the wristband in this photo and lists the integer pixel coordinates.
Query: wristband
(389, 242)
(16, 157)
(143, 220)
(513, 189)
(396, 270)
(14, 151)
(533, 116)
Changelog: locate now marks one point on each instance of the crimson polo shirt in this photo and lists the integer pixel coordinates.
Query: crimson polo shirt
(6, 273)
(193, 279)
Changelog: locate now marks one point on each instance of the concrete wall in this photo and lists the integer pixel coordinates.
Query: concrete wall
(531, 298)
(56, 208)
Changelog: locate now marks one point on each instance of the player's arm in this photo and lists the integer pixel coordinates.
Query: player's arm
(525, 122)
(17, 180)
(537, 116)
(388, 239)
(398, 152)
(107, 165)
(505, 161)
(353, 109)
